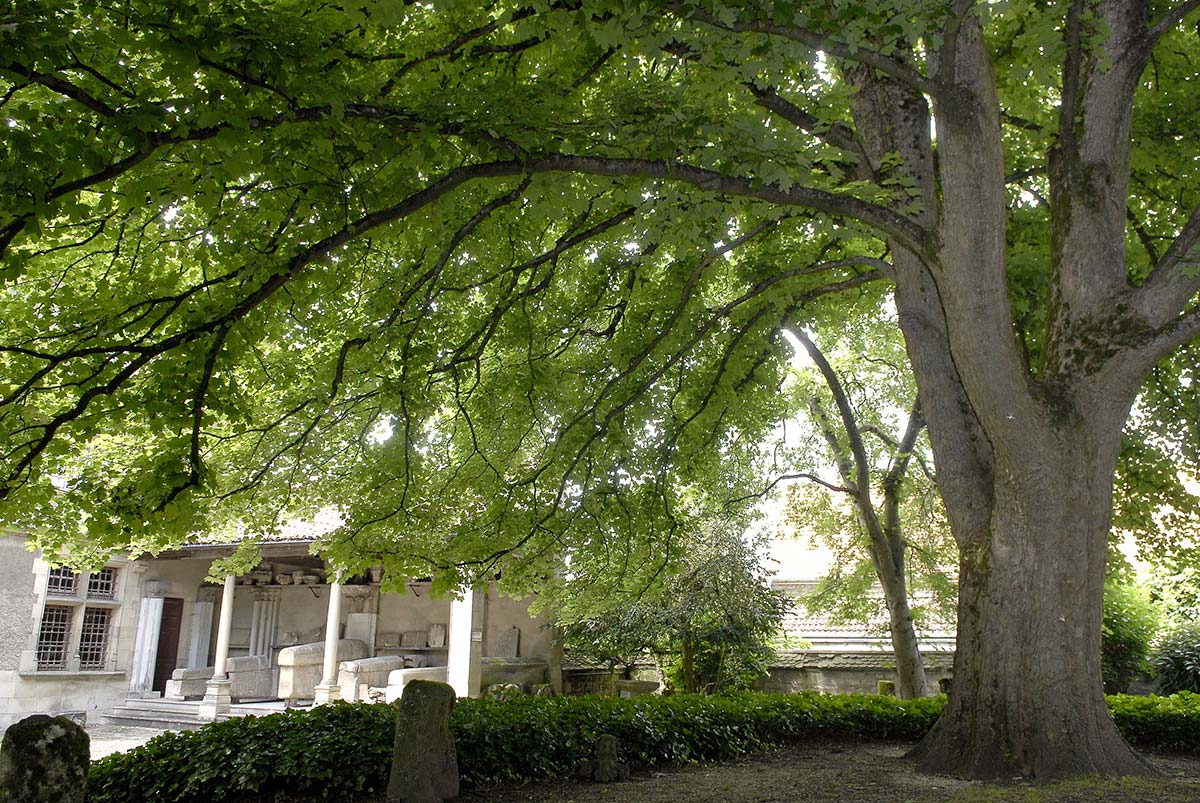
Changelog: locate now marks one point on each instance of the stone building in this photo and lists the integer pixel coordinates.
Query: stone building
(840, 658)
(151, 640)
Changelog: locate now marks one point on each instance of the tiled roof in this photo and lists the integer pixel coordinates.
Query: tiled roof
(295, 531)
(847, 659)
(819, 629)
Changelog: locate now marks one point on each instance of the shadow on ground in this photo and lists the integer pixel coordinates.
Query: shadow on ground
(835, 772)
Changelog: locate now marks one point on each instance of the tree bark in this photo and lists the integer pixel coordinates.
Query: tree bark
(910, 667)
(1028, 697)
(1025, 463)
(688, 668)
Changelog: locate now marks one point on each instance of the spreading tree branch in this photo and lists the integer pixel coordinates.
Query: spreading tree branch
(824, 44)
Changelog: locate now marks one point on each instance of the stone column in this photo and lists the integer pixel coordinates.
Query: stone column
(465, 639)
(327, 690)
(362, 617)
(263, 619)
(145, 648)
(216, 695)
(554, 660)
(201, 630)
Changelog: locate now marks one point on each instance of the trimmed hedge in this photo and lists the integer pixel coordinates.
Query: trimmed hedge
(343, 751)
(1159, 723)
(533, 738)
(336, 750)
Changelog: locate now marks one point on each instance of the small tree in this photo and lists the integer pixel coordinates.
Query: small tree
(882, 516)
(710, 619)
(1130, 622)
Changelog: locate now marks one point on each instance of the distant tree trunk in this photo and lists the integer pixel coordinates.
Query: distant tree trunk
(885, 537)
(688, 669)
(910, 667)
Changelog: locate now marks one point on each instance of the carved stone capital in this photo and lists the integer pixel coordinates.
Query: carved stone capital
(154, 588)
(358, 597)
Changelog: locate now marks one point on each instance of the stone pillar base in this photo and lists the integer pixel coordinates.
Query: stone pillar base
(216, 700)
(326, 693)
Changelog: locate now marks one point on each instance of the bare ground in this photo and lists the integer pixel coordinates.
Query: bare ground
(837, 772)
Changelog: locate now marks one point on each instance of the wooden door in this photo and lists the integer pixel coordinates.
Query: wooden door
(168, 642)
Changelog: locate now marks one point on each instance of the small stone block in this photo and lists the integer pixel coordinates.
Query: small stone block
(605, 765)
(503, 691)
(414, 638)
(508, 643)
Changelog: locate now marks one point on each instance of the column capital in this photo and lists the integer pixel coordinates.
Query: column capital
(357, 597)
(208, 594)
(154, 588)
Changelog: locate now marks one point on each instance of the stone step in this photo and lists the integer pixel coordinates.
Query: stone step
(175, 714)
(237, 710)
(160, 705)
(120, 715)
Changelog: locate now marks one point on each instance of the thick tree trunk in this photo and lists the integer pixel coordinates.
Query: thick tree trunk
(1025, 460)
(1028, 698)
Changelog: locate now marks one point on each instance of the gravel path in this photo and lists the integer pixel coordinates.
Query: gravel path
(108, 739)
(833, 772)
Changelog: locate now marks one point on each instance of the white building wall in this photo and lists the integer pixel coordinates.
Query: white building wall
(302, 609)
(25, 690)
(505, 613)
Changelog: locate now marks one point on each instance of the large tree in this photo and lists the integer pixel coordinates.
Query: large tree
(501, 282)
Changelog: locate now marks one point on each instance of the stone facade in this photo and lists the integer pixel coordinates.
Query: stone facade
(79, 692)
(165, 625)
(844, 672)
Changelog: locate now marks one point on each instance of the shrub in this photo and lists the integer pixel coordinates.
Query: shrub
(1177, 660)
(343, 751)
(333, 751)
(531, 738)
(1130, 621)
(1159, 723)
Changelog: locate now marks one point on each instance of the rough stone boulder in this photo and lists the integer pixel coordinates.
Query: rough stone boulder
(605, 764)
(504, 691)
(44, 759)
(424, 764)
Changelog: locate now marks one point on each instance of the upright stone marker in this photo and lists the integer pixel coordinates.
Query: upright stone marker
(605, 765)
(424, 764)
(44, 759)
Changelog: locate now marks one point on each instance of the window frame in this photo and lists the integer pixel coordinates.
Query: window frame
(52, 650)
(87, 650)
(94, 642)
(57, 585)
